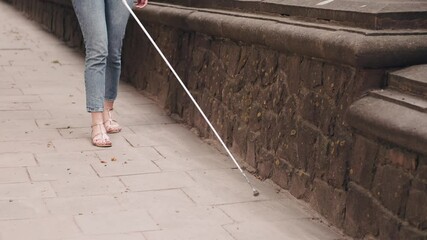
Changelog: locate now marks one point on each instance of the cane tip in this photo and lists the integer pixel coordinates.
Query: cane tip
(256, 193)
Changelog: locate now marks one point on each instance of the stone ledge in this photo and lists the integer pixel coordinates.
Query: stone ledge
(348, 47)
(360, 13)
(389, 121)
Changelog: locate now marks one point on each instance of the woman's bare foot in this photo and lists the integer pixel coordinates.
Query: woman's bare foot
(110, 125)
(99, 133)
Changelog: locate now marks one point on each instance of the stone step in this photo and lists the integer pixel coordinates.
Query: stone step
(389, 121)
(406, 100)
(411, 80)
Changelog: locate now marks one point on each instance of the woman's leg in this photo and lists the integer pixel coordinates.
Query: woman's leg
(116, 17)
(91, 16)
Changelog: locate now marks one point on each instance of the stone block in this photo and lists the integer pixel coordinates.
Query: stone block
(308, 143)
(407, 232)
(282, 173)
(338, 154)
(363, 161)
(416, 208)
(299, 185)
(391, 187)
(401, 159)
(421, 172)
(329, 201)
(360, 218)
(265, 163)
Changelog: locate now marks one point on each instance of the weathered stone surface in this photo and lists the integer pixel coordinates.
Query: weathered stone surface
(391, 187)
(362, 161)
(360, 217)
(416, 208)
(329, 201)
(389, 121)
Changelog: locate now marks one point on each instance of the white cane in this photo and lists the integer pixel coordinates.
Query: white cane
(255, 192)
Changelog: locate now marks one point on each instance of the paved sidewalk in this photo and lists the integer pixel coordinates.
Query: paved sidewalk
(158, 181)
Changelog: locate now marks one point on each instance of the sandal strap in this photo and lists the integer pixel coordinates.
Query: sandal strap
(101, 133)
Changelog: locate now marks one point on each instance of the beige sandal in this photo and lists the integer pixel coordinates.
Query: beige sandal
(111, 125)
(100, 139)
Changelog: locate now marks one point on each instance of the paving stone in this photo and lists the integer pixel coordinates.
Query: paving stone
(175, 161)
(25, 191)
(190, 233)
(22, 124)
(75, 187)
(63, 171)
(168, 135)
(57, 227)
(268, 211)
(146, 119)
(193, 148)
(56, 89)
(13, 175)
(33, 146)
(116, 222)
(157, 181)
(84, 132)
(290, 229)
(10, 92)
(129, 236)
(24, 114)
(82, 144)
(210, 191)
(207, 216)
(22, 209)
(17, 160)
(52, 106)
(14, 106)
(49, 159)
(155, 200)
(123, 168)
(20, 99)
(82, 205)
(27, 135)
(64, 123)
(138, 109)
(129, 154)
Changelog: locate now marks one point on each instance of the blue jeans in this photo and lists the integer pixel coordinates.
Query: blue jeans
(103, 24)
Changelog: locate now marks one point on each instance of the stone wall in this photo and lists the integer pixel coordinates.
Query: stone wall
(282, 111)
